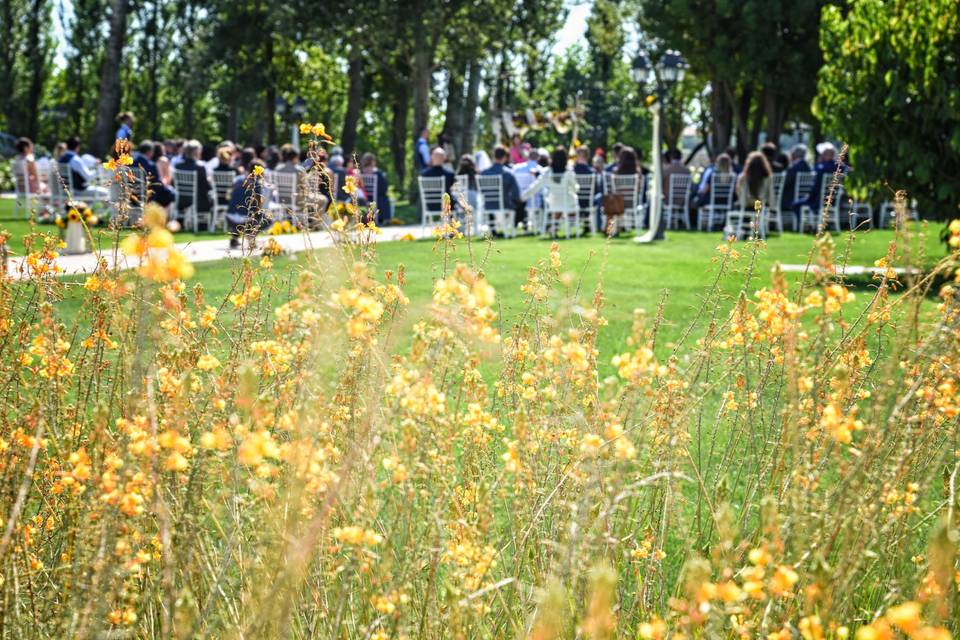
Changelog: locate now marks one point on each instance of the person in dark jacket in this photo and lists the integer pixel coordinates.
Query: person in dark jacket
(798, 164)
(245, 213)
(368, 165)
(156, 190)
(190, 152)
(823, 170)
(438, 158)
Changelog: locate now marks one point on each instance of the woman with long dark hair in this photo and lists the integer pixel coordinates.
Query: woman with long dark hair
(627, 164)
(755, 182)
(561, 185)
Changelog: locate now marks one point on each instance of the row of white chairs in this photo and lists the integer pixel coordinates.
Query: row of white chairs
(108, 192)
(491, 213)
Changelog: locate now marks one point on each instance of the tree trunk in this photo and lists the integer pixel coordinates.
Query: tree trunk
(470, 108)
(153, 88)
(270, 97)
(720, 116)
(108, 103)
(453, 121)
(422, 72)
(348, 137)
(398, 132)
(36, 68)
(758, 115)
(775, 111)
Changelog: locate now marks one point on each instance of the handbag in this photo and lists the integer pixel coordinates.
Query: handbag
(613, 204)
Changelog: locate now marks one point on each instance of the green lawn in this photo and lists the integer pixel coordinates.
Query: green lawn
(679, 270)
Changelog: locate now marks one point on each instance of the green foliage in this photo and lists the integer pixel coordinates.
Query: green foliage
(889, 88)
(760, 56)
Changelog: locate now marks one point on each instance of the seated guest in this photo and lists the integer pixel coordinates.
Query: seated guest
(798, 164)
(190, 153)
(581, 167)
(25, 165)
(723, 164)
(270, 156)
(755, 182)
(617, 148)
(772, 153)
(368, 165)
(673, 166)
(561, 185)
(163, 164)
(156, 190)
(289, 160)
(225, 159)
(245, 213)
(81, 176)
(823, 171)
(511, 191)
(438, 158)
(469, 169)
(171, 149)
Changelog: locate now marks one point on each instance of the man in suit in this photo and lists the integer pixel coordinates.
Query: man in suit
(156, 190)
(511, 191)
(438, 159)
(191, 152)
(80, 174)
(798, 164)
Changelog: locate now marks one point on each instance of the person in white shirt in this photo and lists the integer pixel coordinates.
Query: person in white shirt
(561, 185)
(82, 176)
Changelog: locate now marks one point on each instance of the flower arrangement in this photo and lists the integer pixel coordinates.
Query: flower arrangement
(77, 212)
(282, 227)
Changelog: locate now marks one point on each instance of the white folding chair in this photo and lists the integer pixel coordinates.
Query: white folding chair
(431, 199)
(89, 195)
(222, 191)
(370, 186)
(185, 184)
(803, 185)
(627, 186)
(722, 186)
(127, 195)
(888, 215)
(775, 210)
(284, 186)
(811, 218)
(675, 207)
(536, 216)
(25, 200)
(496, 213)
(586, 189)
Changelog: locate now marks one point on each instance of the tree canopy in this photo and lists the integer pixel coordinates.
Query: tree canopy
(890, 86)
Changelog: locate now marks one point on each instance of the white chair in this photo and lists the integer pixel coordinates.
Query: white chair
(128, 195)
(586, 189)
(222, 192)
(25, 200)
(283, 186)
(431, 199)
(775, 211)
(804, 185)
(675, 206)
(185, 184)
(812, 218)
(722, 187)
(496, 213)
(888, 214)
(627, 186)
(370, 186)
(536, 216)
(91, 195)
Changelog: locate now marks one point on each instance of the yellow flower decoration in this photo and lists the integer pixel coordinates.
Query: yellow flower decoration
(257, 170)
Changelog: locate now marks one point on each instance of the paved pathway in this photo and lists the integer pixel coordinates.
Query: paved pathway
(210, 250)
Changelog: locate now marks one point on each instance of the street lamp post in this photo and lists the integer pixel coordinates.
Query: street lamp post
(292, 114)
(667, 73)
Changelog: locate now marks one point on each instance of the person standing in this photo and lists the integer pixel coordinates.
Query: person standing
(421, 150)
(125, 132)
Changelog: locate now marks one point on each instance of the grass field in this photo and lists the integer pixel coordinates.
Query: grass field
(317, 456)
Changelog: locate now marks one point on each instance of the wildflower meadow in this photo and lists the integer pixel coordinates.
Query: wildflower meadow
(310, 456)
